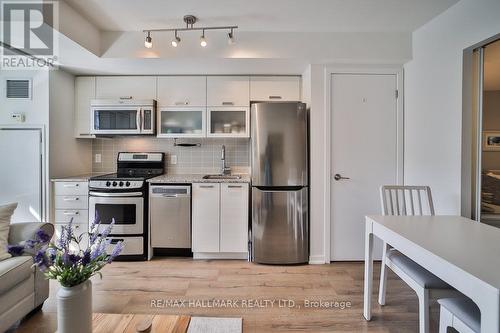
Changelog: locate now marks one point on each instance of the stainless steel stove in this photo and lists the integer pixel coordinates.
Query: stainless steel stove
(123, 196)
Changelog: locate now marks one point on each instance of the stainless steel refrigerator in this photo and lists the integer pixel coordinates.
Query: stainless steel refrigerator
(280, 226)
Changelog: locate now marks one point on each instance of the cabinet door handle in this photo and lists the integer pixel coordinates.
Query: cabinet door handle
(71, 185)
(182, 103)
(71, 213)
(227, 103)
(235, 186)
(206, 186)
(275, 97)
(125, 97)
(71, 199)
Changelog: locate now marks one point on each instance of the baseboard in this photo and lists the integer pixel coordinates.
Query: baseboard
(218, 255)
(317, 260)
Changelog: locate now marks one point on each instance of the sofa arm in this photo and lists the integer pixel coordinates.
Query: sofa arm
(19, 232)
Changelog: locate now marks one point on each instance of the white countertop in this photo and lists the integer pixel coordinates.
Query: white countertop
(195, 178)
(79, 178)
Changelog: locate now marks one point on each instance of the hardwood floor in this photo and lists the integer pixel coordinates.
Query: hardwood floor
(145, 287)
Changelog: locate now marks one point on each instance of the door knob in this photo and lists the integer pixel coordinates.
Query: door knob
(339, 177)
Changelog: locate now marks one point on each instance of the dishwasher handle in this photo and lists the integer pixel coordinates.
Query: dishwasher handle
(169, 196)
(170, 191)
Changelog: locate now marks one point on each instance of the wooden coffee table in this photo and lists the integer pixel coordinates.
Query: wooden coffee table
(128, 323)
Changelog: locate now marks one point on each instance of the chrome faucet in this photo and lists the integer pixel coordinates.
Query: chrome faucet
(225, 170)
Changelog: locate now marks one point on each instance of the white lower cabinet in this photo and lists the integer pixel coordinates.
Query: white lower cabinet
(234, 217)
(206, 209)
(71, 203)
(220, 220)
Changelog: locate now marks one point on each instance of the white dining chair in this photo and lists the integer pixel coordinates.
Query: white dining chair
(404, 201)
(460, 313)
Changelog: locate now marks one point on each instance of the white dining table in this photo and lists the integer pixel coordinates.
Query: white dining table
(462, 252)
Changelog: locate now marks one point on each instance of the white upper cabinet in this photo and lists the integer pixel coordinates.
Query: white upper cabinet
(181, 121)
(136, 87)
(232, 122)
(84, 92)
(228, 91)
(182, 91)
(275, 88)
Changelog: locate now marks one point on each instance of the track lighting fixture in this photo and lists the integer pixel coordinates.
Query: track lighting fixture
(230, 37)
(176, 40)
(203, 41)
(148, 42)
(190, 20)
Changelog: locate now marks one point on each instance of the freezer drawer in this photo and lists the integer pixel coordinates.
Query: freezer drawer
(170, 216)
(280, 228)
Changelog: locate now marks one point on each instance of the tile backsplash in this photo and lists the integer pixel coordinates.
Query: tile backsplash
(197, 160)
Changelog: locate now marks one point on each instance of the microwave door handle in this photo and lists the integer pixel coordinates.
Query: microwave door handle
(138, 120)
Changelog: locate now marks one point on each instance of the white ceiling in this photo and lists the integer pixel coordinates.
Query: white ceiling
(264, 15)
(492, 66)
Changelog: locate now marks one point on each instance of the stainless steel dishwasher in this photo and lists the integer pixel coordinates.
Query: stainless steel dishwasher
(170, 216)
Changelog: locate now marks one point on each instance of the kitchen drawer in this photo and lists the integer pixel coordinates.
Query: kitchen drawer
(71, 188)
(131, 245)
(78, 215)
(71, 202)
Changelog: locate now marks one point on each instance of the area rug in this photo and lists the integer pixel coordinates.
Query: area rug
(215, 325)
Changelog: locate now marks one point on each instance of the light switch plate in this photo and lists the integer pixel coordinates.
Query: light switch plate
(173, 159)
(19, 117)
(97, 158)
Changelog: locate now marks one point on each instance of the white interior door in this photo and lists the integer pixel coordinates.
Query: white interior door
(21, 172)
(364, 150)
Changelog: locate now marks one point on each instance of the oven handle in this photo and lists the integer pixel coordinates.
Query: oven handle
(107, 195)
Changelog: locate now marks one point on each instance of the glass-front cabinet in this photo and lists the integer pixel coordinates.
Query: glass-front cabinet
(228, 122)
(182, 122)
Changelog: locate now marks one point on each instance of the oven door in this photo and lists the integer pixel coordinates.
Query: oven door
(116, 120)
(126, 208)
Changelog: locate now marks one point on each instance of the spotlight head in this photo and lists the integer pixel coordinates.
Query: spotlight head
(230, 38)
(148, 42)
(203, 41)
(176, 40)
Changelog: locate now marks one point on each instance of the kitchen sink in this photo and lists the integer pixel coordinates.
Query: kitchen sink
(222, 177)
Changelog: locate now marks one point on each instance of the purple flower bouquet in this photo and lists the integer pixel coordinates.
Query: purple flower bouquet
(64, 263)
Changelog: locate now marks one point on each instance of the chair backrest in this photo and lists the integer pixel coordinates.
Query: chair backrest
(406, 200)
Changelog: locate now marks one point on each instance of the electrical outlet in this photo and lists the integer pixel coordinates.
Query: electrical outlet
(173, 159)
(97, 158)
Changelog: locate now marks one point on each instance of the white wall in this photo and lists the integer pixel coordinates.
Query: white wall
(36, 109)
(68, 156)
(433, 97)
(52, 108)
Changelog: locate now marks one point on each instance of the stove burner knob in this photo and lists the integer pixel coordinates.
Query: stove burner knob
(114, 183)
(127, 184)
(108, 183)
(121, 183)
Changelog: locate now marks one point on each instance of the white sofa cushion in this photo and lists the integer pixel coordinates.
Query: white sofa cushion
(14, 271)
(6, 212)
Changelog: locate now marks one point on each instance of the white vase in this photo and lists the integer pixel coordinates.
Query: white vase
(74, 308)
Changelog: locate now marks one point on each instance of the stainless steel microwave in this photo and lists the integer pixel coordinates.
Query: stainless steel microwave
(117, 117)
